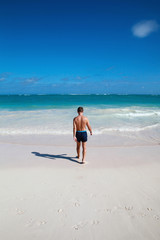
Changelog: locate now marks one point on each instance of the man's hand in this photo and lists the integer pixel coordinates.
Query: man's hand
(75, 139)
(90, 133)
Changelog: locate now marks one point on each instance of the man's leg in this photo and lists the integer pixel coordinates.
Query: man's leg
(78, 149)
(84, 151)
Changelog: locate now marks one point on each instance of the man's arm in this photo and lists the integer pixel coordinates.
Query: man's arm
(74, 130)
(89, 127)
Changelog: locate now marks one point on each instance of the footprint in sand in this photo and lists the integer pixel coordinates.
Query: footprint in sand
(95, 222)
(60, 210)
(79, 225)
(75, 227)
(156, 217)
(108, 210)
(29, 223)
(128, 208)
(149, 209)
(32, 223)
(19, 211)
(76, 204)
(39, 223)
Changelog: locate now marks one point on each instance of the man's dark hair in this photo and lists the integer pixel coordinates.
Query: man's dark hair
(80, 109)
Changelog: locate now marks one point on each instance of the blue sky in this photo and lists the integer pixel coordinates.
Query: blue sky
(79, 47)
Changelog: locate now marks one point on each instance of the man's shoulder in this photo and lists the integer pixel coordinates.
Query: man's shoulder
(85, 117)
(74, 118)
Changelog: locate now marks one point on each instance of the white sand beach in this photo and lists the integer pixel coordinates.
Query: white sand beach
(79, 71)
(47, 194)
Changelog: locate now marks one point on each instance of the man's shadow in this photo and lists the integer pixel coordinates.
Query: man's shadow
(62, 156)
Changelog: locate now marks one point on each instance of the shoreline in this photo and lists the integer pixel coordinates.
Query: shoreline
(101, 140)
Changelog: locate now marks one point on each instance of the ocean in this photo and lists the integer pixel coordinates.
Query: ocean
(126, 115)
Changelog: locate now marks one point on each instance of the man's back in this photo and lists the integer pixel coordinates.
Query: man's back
(81, 122)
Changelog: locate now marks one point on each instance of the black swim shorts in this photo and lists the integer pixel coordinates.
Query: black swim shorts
(81, 136)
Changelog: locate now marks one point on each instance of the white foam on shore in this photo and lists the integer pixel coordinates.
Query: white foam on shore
(12, 131)
(122, 121)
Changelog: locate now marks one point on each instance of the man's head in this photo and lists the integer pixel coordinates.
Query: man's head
(80, 110)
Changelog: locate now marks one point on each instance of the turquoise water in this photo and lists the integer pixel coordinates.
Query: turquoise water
(132, 115)
(33, 102)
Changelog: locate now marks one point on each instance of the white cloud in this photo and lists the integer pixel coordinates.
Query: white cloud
(4, 76)
(74, 79)
(144, 28)
(31, 80)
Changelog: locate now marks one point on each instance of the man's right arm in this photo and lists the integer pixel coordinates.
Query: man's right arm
(89, 127)
(74, 130)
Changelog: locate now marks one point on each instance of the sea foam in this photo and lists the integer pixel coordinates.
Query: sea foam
(122, 121)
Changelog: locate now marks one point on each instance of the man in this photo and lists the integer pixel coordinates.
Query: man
(79, 132)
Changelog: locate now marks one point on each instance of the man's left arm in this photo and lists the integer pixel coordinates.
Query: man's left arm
(89, 127)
